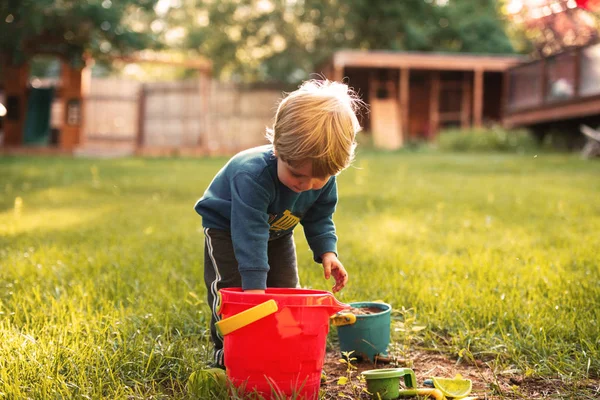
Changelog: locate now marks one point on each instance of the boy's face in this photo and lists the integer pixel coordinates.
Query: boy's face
(299, 178)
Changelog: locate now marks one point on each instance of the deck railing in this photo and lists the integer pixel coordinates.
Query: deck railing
(568, 77)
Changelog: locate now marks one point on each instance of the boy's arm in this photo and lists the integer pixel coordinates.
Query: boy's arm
(319, 228)
(250, 229)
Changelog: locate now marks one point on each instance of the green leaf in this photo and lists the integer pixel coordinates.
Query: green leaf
(342, 380)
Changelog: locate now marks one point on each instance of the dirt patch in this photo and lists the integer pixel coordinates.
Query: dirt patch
(365, 310)
(486, 384)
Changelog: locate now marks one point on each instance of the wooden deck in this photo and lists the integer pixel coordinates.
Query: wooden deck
(565, 86)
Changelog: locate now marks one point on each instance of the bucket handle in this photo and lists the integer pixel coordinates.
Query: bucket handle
(246, 317)
(410, 380)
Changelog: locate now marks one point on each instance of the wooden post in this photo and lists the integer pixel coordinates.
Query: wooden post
(478, 98)
(15, 90)
(208, 122)
(434, 103)
(505, 103)
(577, 65)
(141, 118)
(338, 73)
(85, 82)
(327, 71)
(404, 102)
(75, 90)
(465, 107)
(543, 72)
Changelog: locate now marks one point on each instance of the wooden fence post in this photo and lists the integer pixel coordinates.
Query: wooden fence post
(139, 140)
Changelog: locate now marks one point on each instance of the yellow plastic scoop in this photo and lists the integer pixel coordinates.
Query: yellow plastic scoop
(343, 318)
(456, 388)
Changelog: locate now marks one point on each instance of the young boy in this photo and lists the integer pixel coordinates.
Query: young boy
(254, 202)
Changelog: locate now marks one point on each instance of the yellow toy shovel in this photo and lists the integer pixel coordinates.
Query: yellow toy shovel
(452, 388)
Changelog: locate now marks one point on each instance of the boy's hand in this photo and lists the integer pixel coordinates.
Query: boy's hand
(333, 266)
(260, 291)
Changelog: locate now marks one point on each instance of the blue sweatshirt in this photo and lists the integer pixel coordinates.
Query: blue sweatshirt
(247, 199)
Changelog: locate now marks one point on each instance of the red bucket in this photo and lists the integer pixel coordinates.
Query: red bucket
(284, 351)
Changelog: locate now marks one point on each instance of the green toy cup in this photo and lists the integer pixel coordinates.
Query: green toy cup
(365, 335)
(385, 383)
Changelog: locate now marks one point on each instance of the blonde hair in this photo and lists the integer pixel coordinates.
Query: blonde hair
(317, 123)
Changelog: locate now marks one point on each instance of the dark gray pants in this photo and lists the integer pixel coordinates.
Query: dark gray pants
(221, 271)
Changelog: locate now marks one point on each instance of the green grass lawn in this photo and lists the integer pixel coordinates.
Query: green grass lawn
(101, 291)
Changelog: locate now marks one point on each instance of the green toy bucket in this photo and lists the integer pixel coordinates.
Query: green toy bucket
(365, 335)
(384, 383)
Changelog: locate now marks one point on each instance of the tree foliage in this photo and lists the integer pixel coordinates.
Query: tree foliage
(72, 27)
(553, 26)
(250, 40)
(281, 40)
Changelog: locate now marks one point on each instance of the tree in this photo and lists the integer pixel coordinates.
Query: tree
(552, 26)
(281, 40)
(73, 27)
(474, 27)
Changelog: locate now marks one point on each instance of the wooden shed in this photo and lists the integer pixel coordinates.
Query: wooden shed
(27, 125)
(411, 95)
(23, 101)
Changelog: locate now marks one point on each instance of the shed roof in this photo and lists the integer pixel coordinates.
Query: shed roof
(422, 60)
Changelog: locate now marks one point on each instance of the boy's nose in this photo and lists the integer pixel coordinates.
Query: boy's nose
(310, 184)
(306, 185)
(316, 184)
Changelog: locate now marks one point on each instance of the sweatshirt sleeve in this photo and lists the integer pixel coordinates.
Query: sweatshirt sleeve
(319, 228)
(250, 229)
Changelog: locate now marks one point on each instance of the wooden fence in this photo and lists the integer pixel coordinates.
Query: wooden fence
(111, 113)
(188, 117)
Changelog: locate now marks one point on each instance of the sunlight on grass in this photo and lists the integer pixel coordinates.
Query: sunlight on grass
(102, 295)
(22, 220)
